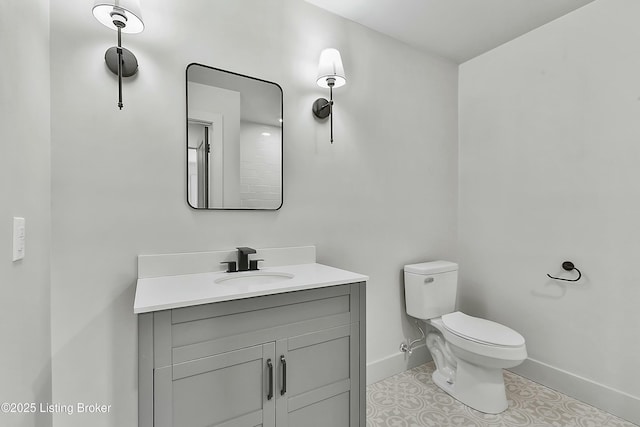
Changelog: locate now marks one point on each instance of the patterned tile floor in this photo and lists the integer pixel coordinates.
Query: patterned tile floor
(411, 399)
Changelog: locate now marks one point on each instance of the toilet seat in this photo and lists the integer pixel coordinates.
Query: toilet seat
(481, 331)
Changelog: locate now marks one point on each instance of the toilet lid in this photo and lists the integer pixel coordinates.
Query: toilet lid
(481, 330)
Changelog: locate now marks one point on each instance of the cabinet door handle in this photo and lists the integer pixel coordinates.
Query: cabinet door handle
(283, 361)
(270, 366)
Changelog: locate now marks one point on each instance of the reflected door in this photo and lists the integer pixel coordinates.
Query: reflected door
(205, 166)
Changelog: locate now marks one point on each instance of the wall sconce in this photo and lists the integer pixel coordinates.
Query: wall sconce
(330, 74)
(123, 16)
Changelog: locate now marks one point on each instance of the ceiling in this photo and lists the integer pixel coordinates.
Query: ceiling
(456, 29)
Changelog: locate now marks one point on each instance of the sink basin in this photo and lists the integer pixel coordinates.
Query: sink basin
(254, 278)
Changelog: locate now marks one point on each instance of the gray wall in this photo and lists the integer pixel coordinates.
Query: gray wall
(384, 194)
(25, 192)
(549, 153)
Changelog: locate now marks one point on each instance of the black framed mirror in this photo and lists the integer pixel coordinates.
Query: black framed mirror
(234, 140)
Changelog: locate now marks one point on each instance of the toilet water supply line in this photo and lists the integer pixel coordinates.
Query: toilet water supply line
(408, 348)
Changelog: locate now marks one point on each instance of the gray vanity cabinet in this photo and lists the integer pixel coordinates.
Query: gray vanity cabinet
(320, 376)
(221, 390)
(288, 360)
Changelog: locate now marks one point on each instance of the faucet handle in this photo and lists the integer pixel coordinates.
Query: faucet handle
(231, 266)
(253, 264)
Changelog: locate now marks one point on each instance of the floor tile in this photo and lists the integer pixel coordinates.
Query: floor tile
(411, 399)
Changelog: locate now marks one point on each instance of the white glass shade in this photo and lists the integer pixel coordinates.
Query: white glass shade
(102, 11)
(330, 66)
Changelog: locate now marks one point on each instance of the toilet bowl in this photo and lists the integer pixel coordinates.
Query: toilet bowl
(469, 352)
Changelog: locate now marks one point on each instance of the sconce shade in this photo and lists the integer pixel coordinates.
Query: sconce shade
(130, 9)
(330, 67)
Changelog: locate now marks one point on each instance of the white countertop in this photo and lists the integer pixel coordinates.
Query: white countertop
(167, 292)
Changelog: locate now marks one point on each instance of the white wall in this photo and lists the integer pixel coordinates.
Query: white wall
(384, 194)
(549, 153)
(25, 192)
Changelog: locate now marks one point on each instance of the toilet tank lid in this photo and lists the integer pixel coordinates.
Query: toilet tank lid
(431, 267)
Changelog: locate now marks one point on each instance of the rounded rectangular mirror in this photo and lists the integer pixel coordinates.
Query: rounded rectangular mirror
(234, 140)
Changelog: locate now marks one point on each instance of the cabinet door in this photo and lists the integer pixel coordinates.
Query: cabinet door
(227, 390)
(322, 379)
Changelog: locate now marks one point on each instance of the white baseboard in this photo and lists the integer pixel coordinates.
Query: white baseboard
(613, 401)
(396, 363)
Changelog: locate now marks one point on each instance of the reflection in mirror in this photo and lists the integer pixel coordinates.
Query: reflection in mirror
(234, 140)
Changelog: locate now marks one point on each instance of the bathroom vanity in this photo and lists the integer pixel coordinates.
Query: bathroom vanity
(282, 346)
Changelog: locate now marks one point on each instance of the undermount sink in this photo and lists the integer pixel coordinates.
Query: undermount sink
(254, 278)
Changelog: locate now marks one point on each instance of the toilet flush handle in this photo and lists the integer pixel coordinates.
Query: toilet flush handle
(429, 280)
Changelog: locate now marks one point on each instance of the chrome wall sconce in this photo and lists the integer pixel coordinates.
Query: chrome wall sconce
(331, 75)
(123, 16)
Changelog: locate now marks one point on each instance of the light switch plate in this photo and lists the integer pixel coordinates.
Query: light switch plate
(19, 231)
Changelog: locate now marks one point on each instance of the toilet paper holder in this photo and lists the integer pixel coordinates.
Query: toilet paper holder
(568, 266)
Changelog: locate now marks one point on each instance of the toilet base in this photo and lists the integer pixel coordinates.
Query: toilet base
(477, 387)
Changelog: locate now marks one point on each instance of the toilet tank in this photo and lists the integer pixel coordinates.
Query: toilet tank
(430, 288)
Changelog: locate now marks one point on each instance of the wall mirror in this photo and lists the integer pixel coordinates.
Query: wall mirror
(234, 140)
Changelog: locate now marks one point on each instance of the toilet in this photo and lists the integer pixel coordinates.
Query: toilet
(469, 352)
